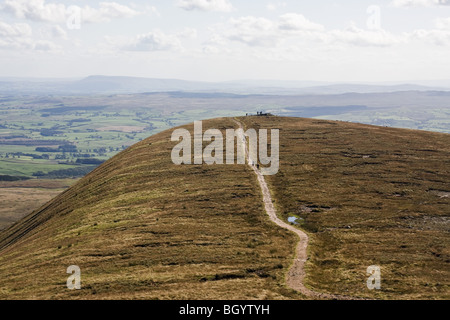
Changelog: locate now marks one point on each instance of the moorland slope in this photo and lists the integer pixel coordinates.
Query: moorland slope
(140, 227)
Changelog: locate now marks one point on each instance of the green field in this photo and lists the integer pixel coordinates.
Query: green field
(27, 166)
(98, 131)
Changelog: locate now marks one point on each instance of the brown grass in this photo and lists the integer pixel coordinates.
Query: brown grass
(141, 228)
(368, 197)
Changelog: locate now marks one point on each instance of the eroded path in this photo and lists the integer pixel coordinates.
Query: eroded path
(296, 274)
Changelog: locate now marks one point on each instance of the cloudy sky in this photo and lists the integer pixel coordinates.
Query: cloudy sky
(219, 40)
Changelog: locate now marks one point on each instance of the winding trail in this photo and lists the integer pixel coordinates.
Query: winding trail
(296, 273)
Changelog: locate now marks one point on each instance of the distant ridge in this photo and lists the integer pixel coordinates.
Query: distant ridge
(100, 84)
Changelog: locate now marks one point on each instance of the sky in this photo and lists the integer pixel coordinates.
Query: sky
(224, 40)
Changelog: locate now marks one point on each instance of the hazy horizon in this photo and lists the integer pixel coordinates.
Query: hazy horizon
(423, 82)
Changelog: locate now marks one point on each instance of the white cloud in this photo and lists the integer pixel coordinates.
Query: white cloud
(419, 3)
(436, 37)
(262, 32)
(39, 10)
(211, 50)
(254, 31)
(49, 32)
(216, 44)
(10, 44)
(188, 33)
(106, 12)
(58, 32)
(19, 36)
(271, 7)
(206, 5)
(443, 23)
(152, 10)
(297, 22)
(439, 36)
(15, 30)
(46, 46)
(363, 37)
(216, 40)
(35, 10)
(276, 6)
(154, 41)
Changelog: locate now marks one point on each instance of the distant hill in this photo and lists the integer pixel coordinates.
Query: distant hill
(110, 84)
(140, 227)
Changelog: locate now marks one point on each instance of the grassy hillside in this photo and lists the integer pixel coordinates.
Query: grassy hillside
(367, 196)
(141, 227)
